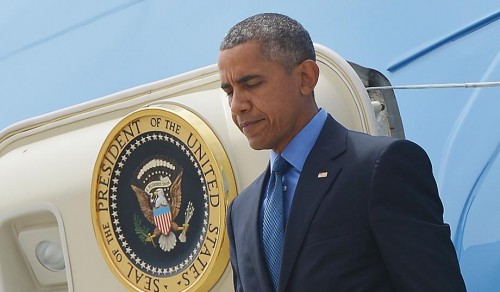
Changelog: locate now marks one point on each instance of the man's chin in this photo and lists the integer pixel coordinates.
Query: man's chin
(256, 145)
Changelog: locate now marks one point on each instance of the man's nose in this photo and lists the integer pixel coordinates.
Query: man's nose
(239, 102)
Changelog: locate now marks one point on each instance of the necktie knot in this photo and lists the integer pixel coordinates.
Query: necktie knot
(280, 165)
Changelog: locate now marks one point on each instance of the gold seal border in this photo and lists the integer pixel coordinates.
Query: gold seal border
(224, 177)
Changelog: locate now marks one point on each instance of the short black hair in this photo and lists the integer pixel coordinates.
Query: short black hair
(282, 38)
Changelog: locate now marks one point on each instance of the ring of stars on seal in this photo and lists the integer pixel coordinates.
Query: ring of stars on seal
(128, 151)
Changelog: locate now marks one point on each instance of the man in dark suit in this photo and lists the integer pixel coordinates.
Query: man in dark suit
(349, 212)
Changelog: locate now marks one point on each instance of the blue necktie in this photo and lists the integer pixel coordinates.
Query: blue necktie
(273, 229)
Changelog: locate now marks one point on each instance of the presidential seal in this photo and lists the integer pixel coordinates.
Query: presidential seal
(160, 190)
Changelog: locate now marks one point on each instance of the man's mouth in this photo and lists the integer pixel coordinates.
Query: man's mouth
(246, 126)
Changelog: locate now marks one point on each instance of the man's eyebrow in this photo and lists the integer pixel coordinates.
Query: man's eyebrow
(247, 78)
(243, 79)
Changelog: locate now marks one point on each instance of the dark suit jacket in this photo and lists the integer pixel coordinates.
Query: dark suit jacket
(374, 223)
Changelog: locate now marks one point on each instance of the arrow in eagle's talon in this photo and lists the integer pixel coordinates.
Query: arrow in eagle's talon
(150, 239)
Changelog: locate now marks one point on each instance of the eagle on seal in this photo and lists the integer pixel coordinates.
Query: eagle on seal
(158, 211)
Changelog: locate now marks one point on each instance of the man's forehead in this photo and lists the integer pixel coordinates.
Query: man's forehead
(241, 67)
(248, 50)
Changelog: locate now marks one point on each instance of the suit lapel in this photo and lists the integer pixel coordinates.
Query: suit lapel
(318, 174)
(253, 235)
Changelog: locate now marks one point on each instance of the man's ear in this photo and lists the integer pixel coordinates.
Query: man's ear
(309, 76)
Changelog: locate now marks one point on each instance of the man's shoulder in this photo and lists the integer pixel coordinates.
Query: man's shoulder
(333, 132)
(383, 146)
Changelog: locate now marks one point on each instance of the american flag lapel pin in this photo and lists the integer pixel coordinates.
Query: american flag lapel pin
(323, 174)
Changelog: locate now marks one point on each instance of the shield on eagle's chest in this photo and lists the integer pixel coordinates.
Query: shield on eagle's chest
(163, 218)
